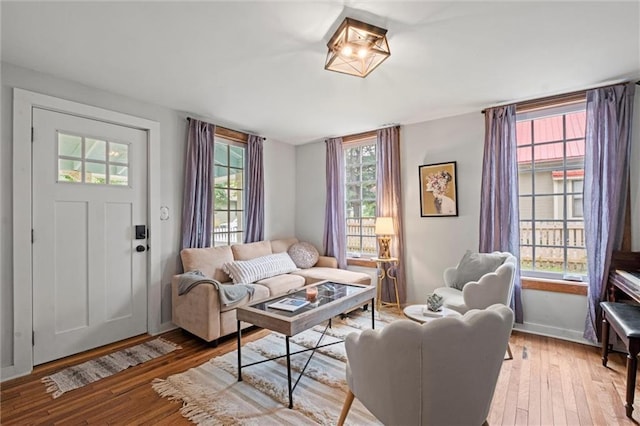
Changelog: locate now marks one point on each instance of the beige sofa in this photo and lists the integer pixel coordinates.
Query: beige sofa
(200, 312)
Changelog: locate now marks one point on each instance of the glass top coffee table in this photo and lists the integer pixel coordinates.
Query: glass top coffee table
(332, 299)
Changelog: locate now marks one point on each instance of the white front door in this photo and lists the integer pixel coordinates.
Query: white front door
(89, 266)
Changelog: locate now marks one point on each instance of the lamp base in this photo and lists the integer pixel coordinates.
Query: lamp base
(384, 244)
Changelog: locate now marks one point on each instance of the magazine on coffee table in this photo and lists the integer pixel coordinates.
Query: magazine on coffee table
(289, 304)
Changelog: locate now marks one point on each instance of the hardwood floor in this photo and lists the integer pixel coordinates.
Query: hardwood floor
(549, 382)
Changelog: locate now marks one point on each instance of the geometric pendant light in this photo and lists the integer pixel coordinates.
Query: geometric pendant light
(357, 48)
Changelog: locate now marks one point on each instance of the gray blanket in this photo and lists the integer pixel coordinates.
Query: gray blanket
(229, 293)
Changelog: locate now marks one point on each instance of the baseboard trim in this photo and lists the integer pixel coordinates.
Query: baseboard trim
(555, 332)
(164, 327)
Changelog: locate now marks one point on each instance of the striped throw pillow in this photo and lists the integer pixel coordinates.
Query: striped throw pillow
(250, 271)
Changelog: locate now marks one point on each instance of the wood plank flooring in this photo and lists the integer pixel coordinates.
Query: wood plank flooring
(549, 382)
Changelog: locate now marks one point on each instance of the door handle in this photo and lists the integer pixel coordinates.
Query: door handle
(140, 248)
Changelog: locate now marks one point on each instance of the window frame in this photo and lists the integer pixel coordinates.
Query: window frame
(361, 235)
(559, 187)
(235, 235)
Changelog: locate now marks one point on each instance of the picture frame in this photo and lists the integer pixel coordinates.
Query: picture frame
(438, 189)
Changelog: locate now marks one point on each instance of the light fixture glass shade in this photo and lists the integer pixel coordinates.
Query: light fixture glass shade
(357, 48)
(384, 226)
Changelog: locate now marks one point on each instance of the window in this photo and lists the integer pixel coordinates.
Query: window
(228, 186)
(551, 145)
(87, 160)
(360, 194)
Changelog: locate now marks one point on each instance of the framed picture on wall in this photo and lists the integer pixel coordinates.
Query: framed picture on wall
(438, 189)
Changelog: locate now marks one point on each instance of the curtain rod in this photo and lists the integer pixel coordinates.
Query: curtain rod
(367, 134)
(557, 97)
(227, 131)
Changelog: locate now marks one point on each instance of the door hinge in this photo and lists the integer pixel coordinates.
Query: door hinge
(32, 134)
(32, 236)
(33, 338)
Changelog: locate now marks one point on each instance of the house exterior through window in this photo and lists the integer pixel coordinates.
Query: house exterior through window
(551, 147)
(229, 191)
(360, 197)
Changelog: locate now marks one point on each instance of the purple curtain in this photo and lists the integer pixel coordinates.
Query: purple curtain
(389, 195)
(499, 218)
(197, 202)
(255, 191)
(335, 223)
(606, 179)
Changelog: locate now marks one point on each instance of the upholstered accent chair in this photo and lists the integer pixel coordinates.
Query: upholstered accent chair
(473, 285)
(443, 372)
(478, 281)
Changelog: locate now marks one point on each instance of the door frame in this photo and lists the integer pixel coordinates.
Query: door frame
(23, 103)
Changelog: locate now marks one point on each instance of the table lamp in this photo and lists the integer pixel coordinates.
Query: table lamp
(384, 231)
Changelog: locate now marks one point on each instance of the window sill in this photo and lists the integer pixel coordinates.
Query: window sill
(555, 286)
(362, 262)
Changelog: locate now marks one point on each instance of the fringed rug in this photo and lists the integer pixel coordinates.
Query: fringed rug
(211, 394)
(90, 371)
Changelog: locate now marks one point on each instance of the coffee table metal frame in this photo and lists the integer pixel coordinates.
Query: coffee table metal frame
(292, 323)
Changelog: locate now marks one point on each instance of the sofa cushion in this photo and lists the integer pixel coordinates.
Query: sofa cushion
(249, 271)
(314, 275)
(251, 250)
(473, 266)
(209, 261)
(278, 246)
(304, 255)
(281, 284)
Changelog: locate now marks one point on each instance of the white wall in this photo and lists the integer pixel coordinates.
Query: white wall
(279, 181)
(311, 192)
(279, 189)
(434, 243)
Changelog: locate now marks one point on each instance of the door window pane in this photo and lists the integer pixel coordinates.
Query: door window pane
(69, 145)
(118, 175)
(118, 153)
(69, 170)
(95, 172)
(95, 150)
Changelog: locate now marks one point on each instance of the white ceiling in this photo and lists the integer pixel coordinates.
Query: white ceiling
(259, 66)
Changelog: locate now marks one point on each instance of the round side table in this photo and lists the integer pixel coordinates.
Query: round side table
(416, 313)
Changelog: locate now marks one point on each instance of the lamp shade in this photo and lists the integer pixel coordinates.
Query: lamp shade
(384, 226)
(357, 48)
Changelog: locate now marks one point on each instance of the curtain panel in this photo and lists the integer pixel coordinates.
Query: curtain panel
(197, 203)
(606, 179)
(335, 224)
(389, 195)
(499, 215)
(254, 200)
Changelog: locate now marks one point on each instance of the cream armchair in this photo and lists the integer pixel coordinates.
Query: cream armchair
(443, 372)
(490, 288)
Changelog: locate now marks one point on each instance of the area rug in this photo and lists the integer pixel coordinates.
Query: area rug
(211, 394)
(90, 371)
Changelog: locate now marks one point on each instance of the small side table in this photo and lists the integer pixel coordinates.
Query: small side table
(380, 264)
(416, 313)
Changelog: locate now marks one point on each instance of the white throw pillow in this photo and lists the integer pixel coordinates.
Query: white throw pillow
(473, 266)
(250, 271)
(304, 255)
